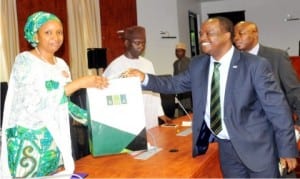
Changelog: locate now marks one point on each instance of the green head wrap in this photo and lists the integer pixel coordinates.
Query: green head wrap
(34, 23)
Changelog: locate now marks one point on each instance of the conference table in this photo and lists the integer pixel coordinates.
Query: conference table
(173, 158)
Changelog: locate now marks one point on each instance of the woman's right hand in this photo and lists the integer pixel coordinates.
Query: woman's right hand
(93, 81)
(90, 81)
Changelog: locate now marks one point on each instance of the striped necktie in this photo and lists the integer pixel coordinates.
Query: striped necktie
(215, 108)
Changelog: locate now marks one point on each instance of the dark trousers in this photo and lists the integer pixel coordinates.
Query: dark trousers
(233, 167)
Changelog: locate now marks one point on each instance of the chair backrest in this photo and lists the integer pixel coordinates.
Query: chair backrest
(168, 102)
(4, 87)
(79, 98)
(79, 133)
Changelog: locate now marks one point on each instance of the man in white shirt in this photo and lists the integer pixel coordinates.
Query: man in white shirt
(134, 41)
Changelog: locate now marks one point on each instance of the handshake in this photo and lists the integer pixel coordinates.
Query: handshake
(131, 73)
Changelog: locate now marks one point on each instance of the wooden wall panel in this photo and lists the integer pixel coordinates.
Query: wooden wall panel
(57, 7)
(116, 15)
(296, 64)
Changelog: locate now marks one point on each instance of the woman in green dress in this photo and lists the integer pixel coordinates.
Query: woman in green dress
(36, 133)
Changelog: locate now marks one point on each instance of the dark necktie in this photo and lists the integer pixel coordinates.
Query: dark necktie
(215, 108)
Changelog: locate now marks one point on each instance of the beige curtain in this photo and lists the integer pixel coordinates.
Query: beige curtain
(84, 32)
(9, 38)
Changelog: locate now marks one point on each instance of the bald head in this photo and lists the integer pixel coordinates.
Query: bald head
(245, 35)
(247, 24)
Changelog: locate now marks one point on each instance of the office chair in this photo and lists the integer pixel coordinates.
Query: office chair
(79, 132)
(168, 103)
(4, 86)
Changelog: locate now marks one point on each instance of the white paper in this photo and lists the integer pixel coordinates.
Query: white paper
(120, 105)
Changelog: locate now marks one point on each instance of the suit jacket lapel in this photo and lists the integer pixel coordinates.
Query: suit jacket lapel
(204, 135)
(233, 68)
(205, 77)
(261, 50)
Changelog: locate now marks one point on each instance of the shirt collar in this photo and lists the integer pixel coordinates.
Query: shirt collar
(254, 50)
(226, 59)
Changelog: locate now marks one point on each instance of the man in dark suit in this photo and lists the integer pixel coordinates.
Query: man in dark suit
(246, 38)
(256, 126)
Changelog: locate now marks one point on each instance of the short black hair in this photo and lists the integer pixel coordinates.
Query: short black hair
(225, 24)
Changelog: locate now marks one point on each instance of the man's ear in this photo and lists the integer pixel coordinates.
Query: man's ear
(126, 43)
(229, 35)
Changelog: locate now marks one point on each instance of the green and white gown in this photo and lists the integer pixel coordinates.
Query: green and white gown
(36, 131)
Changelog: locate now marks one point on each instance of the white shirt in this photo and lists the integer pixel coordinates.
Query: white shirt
(224, 69)
(254, 50)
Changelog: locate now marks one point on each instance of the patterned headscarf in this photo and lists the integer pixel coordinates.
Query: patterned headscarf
(34, 23)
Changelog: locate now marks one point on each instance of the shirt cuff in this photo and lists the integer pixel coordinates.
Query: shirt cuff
(146, 80)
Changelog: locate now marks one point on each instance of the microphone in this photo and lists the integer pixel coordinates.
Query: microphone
(182, 107)
(184, 123)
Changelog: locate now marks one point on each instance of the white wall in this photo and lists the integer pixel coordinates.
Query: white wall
(269, 16)
(165, 15)
(172, 16)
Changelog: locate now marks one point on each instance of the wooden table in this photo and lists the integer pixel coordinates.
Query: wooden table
(163, 164)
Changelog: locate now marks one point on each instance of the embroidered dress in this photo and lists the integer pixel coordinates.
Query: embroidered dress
(36, 133)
